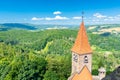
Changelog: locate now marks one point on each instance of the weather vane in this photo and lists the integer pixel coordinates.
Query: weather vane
(82, 15)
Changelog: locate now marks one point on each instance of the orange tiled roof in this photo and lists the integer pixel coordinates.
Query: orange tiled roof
(83, 75)
(81, 45)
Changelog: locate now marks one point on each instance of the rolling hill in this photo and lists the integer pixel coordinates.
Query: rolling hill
(7, 26)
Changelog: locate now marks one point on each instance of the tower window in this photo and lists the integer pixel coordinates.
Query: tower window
(75, 57)
(85, 59)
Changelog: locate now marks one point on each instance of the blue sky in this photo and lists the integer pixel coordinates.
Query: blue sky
(59, 11)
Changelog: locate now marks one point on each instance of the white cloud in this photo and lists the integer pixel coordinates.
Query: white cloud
(106, 19)
(36, 19)
(60, 18)
(77, 17)
(57, 12)
(97, 18)
(50, 18)
(98, 15)
(56, 18)
(110, 17)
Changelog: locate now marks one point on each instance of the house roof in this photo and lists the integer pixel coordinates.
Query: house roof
(81, 45)
(83, 75)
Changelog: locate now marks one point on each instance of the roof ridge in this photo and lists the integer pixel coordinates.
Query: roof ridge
(84, 74)
(83, 69)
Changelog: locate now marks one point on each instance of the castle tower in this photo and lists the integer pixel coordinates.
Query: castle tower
(81, 51)
(102, 73)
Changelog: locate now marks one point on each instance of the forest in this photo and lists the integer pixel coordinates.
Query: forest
(46, 55)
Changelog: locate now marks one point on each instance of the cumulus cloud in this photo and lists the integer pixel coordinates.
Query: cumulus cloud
(36, 19)
(57, 12)
(56, 18)
(98, 15)
(77, 17)
(50, 18)
(60, 18)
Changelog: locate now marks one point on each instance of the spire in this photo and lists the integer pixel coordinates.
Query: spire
(81, 45)
(82, 16)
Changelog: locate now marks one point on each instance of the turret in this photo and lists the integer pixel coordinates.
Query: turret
(102, 73)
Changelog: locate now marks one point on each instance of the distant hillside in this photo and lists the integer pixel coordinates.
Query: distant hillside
(115, 75)
(95, 29)
(53, 26)
(105, 28)
(36, 55)
(7, 26)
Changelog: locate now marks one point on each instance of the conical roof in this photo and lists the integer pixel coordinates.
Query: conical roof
(81, 45)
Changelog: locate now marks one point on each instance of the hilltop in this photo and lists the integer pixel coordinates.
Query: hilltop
(8, 26)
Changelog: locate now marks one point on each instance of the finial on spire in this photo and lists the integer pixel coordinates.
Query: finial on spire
(82, 15)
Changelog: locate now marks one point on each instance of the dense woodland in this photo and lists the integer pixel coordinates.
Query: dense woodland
(46, 55)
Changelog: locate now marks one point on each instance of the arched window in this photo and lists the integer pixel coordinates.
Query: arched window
(75, 57)
(85, 59)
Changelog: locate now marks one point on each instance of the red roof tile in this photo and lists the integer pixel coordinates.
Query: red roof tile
(83, 75)
(81, 45)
